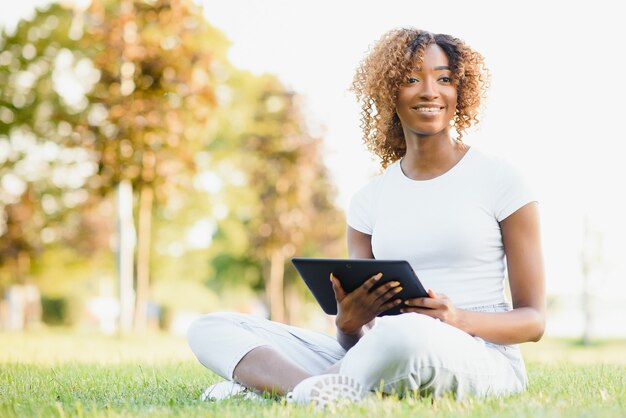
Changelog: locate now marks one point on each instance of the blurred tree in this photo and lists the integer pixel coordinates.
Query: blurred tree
(130, 84)
(292, 210)
(141, 92)
(41, 181)
(155, 98)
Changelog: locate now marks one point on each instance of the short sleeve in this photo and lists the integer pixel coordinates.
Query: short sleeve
(361, 209)
(513, 192)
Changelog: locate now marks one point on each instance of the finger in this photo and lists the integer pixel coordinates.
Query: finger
(386, 306)
(369, 283)
(339, 292)
(423, 311)
(432, 293)
(413, 302)
(387, 291)
(428, 303)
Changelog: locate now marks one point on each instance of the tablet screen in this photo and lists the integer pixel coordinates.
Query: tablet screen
(352, 273)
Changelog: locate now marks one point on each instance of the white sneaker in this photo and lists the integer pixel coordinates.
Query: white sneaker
(227, 389)
(326, 389)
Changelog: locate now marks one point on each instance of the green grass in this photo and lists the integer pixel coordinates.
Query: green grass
(58, 374)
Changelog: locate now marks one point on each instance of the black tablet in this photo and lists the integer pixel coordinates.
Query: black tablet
(352, 273)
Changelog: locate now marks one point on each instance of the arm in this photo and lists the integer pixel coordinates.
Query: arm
(359, 308)
(526, 322)
(359, 244)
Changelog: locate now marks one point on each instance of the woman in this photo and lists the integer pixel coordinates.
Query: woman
(454, 213)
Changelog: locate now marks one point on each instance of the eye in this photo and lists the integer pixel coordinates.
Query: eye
(445, 79)
(411, 80)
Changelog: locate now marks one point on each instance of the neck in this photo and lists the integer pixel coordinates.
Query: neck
(430, 157)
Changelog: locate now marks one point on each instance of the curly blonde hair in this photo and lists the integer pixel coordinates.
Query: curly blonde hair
(385, 68)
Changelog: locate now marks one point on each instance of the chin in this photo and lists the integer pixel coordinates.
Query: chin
(431, 132)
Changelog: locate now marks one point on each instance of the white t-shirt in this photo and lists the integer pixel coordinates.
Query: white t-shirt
(447, 228)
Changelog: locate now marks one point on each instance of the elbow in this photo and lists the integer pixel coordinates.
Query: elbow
(537, 335)
(539, 327)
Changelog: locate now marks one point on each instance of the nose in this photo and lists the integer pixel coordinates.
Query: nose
(428, 89)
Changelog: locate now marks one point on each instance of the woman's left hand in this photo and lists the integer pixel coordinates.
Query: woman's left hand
(437, 306)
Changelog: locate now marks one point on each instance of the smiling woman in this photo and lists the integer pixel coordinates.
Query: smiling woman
(451, 211)
(395, 73)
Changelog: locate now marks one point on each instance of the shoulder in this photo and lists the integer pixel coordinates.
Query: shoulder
(488, 162)
(364, 203)
(494, 170)
(504, 182)
(373, 186)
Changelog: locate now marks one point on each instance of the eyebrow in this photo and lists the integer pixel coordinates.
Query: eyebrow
(439, 68)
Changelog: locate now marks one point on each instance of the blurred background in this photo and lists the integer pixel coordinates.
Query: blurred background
(164, 158)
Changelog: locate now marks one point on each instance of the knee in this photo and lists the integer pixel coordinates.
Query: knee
(202, 329)
(404, 336)
(396, 346)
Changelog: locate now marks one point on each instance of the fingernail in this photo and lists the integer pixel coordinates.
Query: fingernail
(379, 275)
(399, 288)
(396, 283)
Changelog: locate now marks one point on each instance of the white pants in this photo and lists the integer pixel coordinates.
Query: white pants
(408, 352)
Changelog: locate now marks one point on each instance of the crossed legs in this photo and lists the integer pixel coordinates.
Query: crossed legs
(260, 354)
(405, 352)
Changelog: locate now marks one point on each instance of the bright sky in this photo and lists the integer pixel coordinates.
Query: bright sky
(554, 108)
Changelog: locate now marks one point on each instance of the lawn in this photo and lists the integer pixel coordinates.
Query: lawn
(59, 374)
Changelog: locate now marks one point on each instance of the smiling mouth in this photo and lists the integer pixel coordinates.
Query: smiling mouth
(428, 109)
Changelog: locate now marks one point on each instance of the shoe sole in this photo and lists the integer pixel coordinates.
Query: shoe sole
(332, 389)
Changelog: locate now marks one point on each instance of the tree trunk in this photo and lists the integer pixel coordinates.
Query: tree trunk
(22, 266)
(293, 306)
(591, 262)
(586, 308)
(125, 253)
(276, 287)
(146, 198)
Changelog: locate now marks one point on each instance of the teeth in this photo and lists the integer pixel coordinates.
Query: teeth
(427, 109)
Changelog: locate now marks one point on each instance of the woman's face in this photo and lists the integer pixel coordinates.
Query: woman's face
(427, 99)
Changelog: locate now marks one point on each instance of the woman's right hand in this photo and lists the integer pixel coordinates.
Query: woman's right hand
(362, 305)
